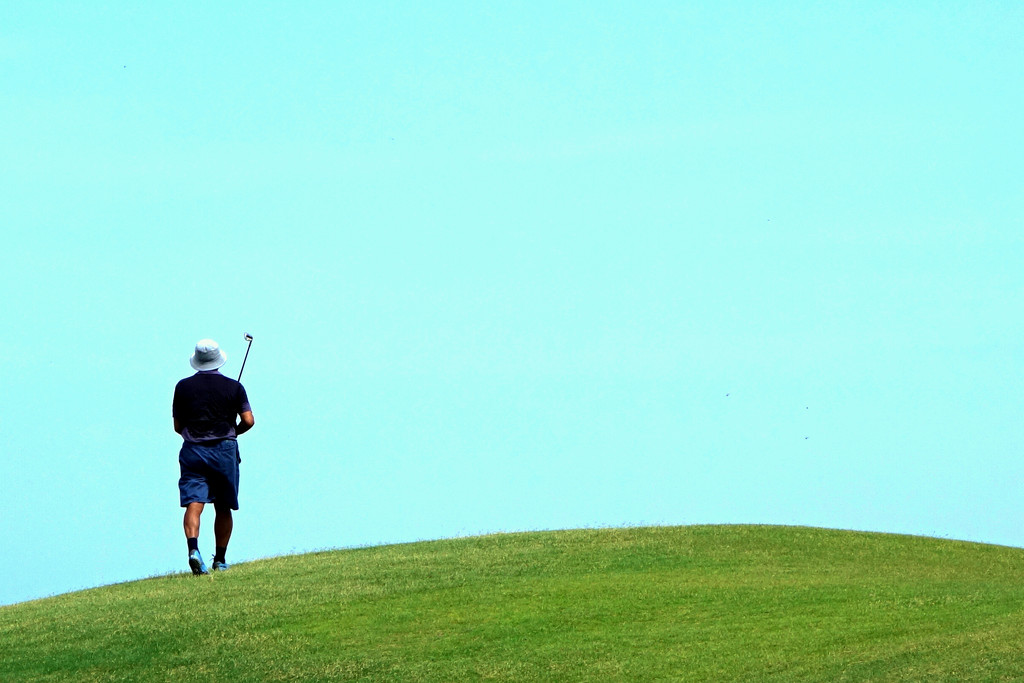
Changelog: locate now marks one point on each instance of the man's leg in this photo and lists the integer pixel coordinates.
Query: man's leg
(222, 526)
(192, 512)
(191, 524)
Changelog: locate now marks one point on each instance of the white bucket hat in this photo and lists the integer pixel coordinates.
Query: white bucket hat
(208, 355)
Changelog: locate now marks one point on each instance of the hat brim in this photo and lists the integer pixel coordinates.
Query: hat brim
(210, 364)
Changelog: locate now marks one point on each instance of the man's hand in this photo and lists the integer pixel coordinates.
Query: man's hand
(245, 423)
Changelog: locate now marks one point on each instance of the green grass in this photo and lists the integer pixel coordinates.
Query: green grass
(715, 603)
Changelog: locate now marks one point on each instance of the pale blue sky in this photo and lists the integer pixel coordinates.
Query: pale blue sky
(512, 266)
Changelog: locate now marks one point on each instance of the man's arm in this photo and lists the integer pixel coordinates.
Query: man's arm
(178, 426)
(245, 423)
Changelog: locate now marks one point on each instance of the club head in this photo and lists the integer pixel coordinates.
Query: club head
(248, 337)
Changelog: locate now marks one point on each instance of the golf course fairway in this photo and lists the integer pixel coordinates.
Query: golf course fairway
(693, 603)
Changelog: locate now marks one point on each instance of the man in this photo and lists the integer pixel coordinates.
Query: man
(204, 410)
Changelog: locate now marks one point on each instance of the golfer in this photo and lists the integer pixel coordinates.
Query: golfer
(205, 407)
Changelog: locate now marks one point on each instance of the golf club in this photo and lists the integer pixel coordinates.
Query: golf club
(248, 338)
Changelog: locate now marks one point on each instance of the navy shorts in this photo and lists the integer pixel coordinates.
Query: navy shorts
(209, 474)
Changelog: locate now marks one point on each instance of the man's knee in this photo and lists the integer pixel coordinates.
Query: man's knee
(222, 510)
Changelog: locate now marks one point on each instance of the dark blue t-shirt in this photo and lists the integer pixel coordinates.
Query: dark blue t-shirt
(206, 405)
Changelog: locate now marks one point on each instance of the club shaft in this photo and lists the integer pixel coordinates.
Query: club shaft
(244, 359)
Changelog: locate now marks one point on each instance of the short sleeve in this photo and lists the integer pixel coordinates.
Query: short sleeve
(243, 400)
(176, 403)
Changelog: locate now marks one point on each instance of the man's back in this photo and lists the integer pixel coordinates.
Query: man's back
(206, 405)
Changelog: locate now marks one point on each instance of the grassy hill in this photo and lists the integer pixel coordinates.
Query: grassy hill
(721, 603)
